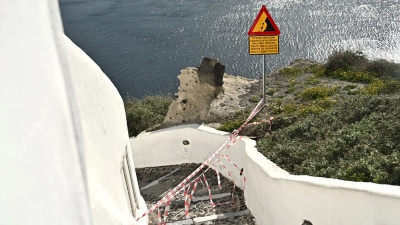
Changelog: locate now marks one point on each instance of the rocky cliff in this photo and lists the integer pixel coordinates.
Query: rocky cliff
(208, 94)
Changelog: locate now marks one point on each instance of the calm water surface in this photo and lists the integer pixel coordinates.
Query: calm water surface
(143, 44)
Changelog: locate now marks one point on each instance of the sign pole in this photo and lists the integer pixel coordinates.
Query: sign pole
(263, 39)
(263, 83)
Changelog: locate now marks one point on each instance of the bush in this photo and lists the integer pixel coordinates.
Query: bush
(316, 69)
(319, 92)
(144, 113)
(354, 76)
(344, 143)
(291, 72)
(344, 60)
(384, 68)
(379, 86)
(354, 67)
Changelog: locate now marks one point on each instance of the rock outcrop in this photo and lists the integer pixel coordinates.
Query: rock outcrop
(211, 72)
(206, 94)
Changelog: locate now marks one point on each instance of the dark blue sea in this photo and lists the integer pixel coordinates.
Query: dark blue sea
(142, 45)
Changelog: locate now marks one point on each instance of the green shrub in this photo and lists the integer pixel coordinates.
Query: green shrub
(344, 143)
(379, 86)
(384, 68)
(353, 92)
(238, 119)
(316, 69)
(231, 125)
(144, 113)
(270, 91)
(354, 76)
(291, 72)
(254, 99)
(326, 103)
(289, 108)
(344, 60)
(305, 110)
(319, 92)
(313, 80)
(349, 87)
(354, 67)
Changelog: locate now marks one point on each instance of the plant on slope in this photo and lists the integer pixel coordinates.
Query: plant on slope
(345, 143)
(144, 113)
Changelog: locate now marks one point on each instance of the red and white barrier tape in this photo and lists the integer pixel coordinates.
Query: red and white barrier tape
(186, 196)
(233, 192)
(209, 191)
(262, 121)
(158, 215)
(166, 212)
(223, 166)
(218, 177)
(229, 160)
(189, 200)
(231, 140)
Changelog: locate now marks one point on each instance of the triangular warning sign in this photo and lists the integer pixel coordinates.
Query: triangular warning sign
(263, 24)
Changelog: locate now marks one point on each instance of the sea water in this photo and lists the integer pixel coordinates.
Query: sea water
(142, 45)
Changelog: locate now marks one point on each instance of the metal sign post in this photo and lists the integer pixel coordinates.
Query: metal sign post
(263, 82)
(263, 39)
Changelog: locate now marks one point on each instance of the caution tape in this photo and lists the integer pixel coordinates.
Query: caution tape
(209, 191)
(260, 122)
(218, 177)
(190, 198)
(232, 139)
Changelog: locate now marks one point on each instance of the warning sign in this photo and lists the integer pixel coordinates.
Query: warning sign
(263, 45)
(263, 24)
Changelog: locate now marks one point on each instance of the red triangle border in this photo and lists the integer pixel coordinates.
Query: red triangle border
(266, 33)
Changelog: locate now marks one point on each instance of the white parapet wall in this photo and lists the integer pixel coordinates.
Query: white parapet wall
(273, 195)
(64, 147)
(105, 140)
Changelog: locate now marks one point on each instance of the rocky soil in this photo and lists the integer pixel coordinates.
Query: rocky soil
(197, 208)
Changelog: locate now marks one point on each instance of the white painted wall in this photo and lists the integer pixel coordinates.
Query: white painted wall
(62, 126)
(102, 117)
(273, 195)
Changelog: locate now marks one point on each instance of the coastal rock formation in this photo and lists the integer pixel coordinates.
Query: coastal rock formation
(206, 94)
(211, 72)
(198, 88)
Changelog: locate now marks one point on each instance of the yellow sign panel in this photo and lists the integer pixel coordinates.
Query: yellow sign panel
(261, 24)
(263, 45)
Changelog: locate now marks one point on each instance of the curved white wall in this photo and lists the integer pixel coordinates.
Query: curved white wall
(63, 129)
(102, 118)
(273, 195)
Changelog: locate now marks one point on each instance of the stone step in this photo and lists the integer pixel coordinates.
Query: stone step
(209, 218)
(158, 180)
(200, 198)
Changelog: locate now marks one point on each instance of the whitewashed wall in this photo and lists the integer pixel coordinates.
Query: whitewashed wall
(273, 195)
(105, 137)
(62, 126)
